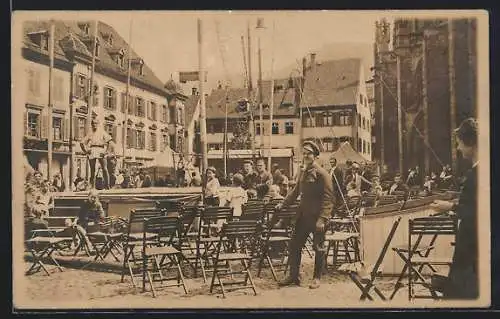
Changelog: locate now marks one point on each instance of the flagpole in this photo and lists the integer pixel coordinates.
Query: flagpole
(271, 106)
(127, 95)
(90, 99)
(201, 78)
(50, 134)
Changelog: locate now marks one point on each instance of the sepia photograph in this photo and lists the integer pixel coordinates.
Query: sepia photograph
(250, 159)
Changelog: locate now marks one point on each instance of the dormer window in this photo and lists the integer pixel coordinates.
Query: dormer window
(84, 27)
(108, 37)
(138, 65)
(40, 38)
(118, 56)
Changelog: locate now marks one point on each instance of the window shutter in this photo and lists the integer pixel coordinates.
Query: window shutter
(25, 123)
(105, 102)
(44, 127)
(134, 139)
(66, 130)
(123, 102)
(114, 133)
(148, 110)
(87, 90)
(132, 105)
(113, 94)
(75, 129)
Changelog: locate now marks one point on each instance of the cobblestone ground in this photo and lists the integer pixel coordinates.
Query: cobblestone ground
(98, 289)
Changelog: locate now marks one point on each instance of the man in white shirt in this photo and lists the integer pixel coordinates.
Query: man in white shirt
(97, 145)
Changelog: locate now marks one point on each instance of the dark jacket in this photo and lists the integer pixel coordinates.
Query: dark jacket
(90, 212)
(316, 194)
(337, 177)
(463, 276)
(250, 181)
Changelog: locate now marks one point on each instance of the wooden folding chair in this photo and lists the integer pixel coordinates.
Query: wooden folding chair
(253, 211)
(238, 238)
(277, 235)
(42, 248)
(132, 241)
(160, 249)
(417, 257)
(210, 223)
(365, 277)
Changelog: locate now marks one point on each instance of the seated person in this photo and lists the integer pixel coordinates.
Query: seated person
(236, 196)
(398, 186)
(428, 185)
(376, 188)
(352, 190)
(273, 193)
(45, 200)
(36, 221)
(91, 212)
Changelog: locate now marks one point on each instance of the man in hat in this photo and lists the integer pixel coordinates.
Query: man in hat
(316, 203)
(97, 145)
(398, 185)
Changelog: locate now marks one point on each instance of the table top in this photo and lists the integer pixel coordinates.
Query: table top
(49, 240)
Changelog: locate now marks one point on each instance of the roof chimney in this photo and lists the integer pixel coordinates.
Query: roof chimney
(194, 91)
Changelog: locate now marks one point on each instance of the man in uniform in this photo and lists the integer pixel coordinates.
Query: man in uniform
(316, 203)
(97, 145)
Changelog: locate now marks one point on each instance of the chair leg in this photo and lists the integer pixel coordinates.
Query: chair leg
(151, 284)
(247, 270)
(181, 275)
(125, 262)
(215, 273)
(361, 287)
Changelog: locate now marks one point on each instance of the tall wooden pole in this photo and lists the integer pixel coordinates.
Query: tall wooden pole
(201, 78)
(382, 126)
(225, 135)
(271, 106)
(90, 100)
(50, 134)
(425, 102)
(453, 99)
(251, 124)
(261, 119)
(127, 96)
(400, 114)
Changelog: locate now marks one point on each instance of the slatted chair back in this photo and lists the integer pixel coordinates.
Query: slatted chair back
(241, 235)
(387, 200)
(188, 216)
(211, 216)
(285, 218)
(165, 228)
(400, 195)
(369, 200)
(253, 211)
(433, 225)
(137, 216)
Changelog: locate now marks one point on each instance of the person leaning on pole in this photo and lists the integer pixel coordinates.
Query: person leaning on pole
(315, 188)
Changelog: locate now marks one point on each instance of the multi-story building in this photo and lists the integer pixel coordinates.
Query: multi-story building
(437, 77)
(335, 105)
(144, 131)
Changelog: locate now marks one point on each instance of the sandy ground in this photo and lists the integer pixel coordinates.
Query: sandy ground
(88, 288)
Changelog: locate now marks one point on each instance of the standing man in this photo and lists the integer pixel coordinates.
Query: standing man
(96, 145)
(316, 203)
(337, 180)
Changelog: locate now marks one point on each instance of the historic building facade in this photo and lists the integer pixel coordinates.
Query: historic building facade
(144, 132)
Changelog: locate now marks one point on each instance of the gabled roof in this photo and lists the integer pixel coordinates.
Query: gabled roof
(332, 83)
(190, 106)
(284, 100)
(70, 38)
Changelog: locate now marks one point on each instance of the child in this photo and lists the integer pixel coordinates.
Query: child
(212, 188)
(376, 187)
(236, 195)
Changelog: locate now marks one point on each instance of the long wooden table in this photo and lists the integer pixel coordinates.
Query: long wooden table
(375, 224)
